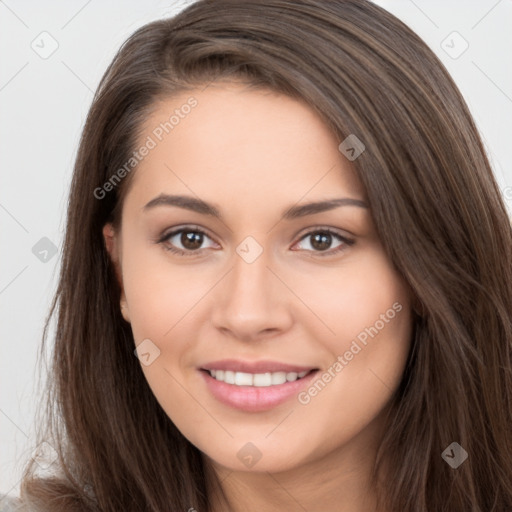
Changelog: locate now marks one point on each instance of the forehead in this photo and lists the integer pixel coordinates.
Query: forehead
(229, 141)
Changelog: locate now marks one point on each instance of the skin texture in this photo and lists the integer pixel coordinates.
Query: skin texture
(254, 153)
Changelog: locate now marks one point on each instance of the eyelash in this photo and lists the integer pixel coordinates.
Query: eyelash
(197, 229)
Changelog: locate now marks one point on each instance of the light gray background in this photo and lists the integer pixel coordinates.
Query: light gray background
(43, 104)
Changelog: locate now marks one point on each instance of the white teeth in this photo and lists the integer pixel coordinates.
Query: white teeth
(278, 378)
(229, 377)
(290, 377)
(243, 379)
(256, 379)
(262, 379)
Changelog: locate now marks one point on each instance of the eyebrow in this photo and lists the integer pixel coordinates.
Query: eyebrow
(294, 212)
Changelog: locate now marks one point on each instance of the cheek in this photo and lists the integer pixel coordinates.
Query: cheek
(369, 314)
(162, 299)
(159, 293)
(352, 298)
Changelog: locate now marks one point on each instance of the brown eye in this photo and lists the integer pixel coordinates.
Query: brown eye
(191, 239)
(185, 241)
(321, 240)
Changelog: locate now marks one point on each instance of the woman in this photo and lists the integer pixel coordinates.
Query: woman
(285, 212)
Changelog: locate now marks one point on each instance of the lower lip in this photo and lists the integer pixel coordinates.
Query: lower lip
(251, 398)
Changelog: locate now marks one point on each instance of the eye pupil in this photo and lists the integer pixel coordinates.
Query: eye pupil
(321, 241)
(191, 239)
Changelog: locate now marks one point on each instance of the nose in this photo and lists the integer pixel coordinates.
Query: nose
(251, 302)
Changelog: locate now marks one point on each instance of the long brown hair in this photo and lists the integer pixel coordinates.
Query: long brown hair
(436, 207)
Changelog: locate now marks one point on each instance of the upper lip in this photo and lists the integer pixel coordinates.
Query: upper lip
(237, 365)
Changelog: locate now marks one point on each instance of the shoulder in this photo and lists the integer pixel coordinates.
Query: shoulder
(10, 504)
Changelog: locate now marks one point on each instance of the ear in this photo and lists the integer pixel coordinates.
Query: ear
(112, 244)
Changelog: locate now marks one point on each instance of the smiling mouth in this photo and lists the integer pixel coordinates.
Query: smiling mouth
(256, 391)
(256, 379)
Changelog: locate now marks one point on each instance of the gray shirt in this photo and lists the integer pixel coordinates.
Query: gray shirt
(9, 503)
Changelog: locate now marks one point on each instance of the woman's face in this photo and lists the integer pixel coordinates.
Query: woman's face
(266, 288)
